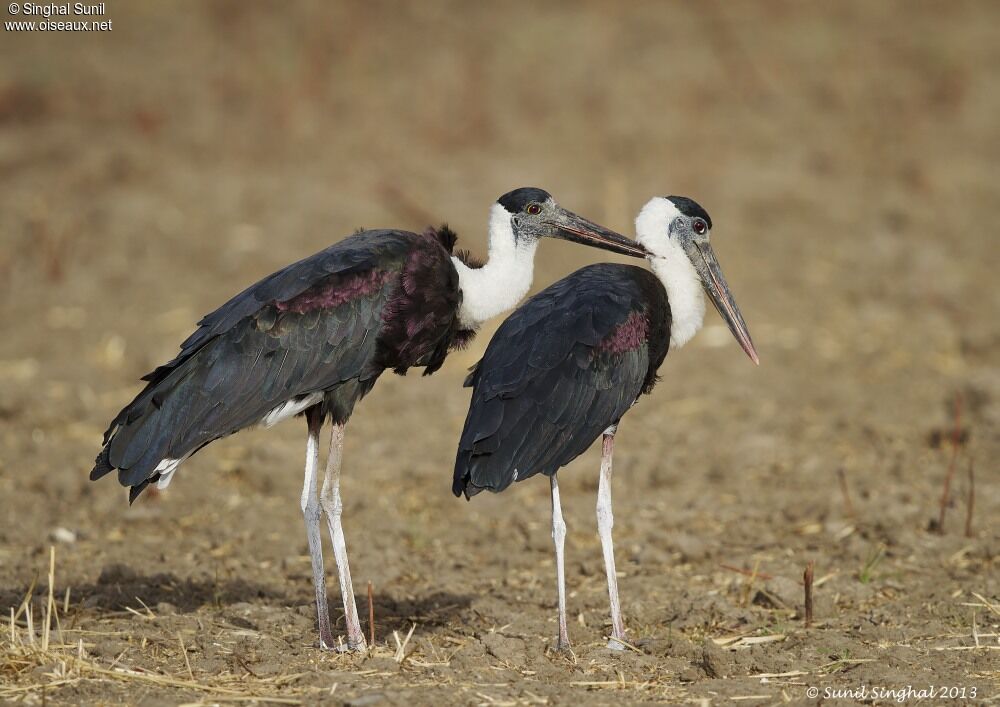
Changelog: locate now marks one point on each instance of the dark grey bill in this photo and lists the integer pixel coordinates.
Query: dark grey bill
(715, 283)
(568, 226)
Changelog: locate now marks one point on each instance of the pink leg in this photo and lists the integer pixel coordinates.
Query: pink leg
(559, 538)
(312, 512)
(605, 522)
(334, 508)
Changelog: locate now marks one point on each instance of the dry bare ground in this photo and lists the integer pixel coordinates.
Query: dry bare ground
(847, 153)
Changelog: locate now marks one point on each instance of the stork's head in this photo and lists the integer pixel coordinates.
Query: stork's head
(529, 214)
(676, 229)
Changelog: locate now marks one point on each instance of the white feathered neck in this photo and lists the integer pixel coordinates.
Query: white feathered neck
(505, 278)
(673, 268)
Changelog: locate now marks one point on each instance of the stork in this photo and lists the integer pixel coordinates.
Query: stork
(314, 337)
(565, 367)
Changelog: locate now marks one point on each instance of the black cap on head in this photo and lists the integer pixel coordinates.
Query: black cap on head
(515, 201)
(691, 208)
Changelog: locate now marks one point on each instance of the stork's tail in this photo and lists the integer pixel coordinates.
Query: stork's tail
(146, 441)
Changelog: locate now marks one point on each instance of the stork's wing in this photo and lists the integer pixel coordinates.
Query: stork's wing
(361, 252)
(298, 332)
(559, 371)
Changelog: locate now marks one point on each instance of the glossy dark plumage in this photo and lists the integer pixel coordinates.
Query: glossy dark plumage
(329, 324)
(560, 370)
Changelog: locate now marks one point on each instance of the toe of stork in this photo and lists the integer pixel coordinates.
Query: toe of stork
(615, 644)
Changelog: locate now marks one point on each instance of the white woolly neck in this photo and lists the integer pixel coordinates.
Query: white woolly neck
(672, 266)
(505, 278)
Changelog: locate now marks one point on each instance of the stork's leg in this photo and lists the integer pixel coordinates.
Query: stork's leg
(334, 508)
(559, 538)
(606, 521)
(312, 512)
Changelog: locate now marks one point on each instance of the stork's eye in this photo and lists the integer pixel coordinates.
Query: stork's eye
(699, 226)
(534, 209)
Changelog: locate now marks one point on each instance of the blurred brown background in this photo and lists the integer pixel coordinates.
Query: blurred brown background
(848, 155)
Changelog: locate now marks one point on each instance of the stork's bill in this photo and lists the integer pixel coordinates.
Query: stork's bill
(572, 227)
(715, 284)
(676, 230)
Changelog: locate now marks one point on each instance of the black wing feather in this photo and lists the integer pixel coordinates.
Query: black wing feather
(357, 253)
(549, 384)
(329, 324)
(250, 355)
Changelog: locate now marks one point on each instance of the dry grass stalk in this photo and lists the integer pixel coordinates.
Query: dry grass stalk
(995, 608)
(955, 438)
(27, 653)
(149, 612)
(771, 676)
(748, 587)
(841, 663)
(401, 647)
(31, 628)
(738, 642)
(50, 604)
(25, 650)
(184, 653)
(807, 581)
(746, 573)
(24, 606)
(845, 491)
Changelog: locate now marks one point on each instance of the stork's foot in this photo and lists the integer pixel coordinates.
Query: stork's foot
(618, 642)
(615, 644)
(352, 647)
(563, 646)
(342, 646)
(326, 642)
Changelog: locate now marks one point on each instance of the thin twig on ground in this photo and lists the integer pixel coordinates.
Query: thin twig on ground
(401, 647)
(746, 573)
(184, 652)
(807, 581)
(748, 585)
(955, 438)
(50, 603)
(971, 502)
(845, 491)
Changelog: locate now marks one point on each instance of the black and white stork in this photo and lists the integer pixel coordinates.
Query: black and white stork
(565, 367)
(314, 337)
